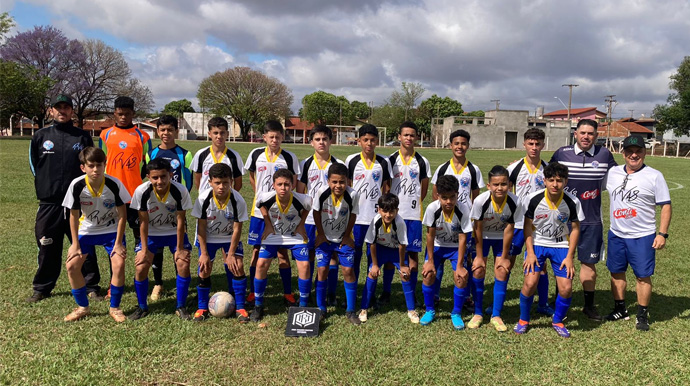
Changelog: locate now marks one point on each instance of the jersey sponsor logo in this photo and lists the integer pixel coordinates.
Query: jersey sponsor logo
(210, 218)
(376, 176)
(595, 164)
(359, 177)
(413, 174)
(86, 203)
(399, 175)
(417, 243)
(45, 240)
(48, 145)
(151, 210)
(261, 169)
(625, 213)
(541, 216)
(562, 217)
(174, 164)
(275, 216)
(313, 178)
(109, 204)
(254, 235)
(523, 182)
(170, 207)
(465, 182)
(123, 145)
(590, 194)
(77, 147)
(205, 172)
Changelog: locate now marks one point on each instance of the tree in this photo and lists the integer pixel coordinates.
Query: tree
(389, 116)
(142, 95)
(22, 91)
(360, 110)
(6, 24)
(436, 107)
(249, 96)
(325, 108)
(407, 96)
(177, 108)
(676, 114)
(476, 113)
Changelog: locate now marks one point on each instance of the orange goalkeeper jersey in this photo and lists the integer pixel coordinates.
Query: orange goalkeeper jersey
(126, 150)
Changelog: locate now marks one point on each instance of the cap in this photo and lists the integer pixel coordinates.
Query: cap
(633, 140)
(61, 98)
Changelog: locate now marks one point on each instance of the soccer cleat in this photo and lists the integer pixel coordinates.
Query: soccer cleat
(642, 322)
(157, 292)
(385, 298)
(458, 324)
(289, 300)
(242, 315)
(201, 315)
(183, 313)
(138, 314)
(117, 314)
(561, 330)
(521, 327)
(77, 313)
(352, 317)
(363, 317)
(427, 318)
(545, 310)
(498, 324)
(37, 297)
(95, 296)
(592, 314)
(618, 315)
(257, 314)
(414, 316)
(475, 322)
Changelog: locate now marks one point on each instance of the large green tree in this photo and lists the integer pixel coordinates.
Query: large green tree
(389, 116)
(22, 92)
(177, 108)
(436, 107)
(675, 115)
(6, 24)
(407, 96)
(360, 110)
(324, 108)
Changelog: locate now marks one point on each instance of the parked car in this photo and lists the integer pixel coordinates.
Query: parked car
(393, 143)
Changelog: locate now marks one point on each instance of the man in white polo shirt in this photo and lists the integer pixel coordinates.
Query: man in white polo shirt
(635, 190)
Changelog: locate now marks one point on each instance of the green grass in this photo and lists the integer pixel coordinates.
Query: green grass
(37, 347)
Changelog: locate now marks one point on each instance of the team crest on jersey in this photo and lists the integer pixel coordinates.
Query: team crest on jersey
(595, 164)
(562, 217)
(277, 167)
(456, 228)
(290, 217)
(123, 145)
(174, 164)
(465, 182)
(376, 175)
(109, 204)
(228, 216)
(48, 145)
(343, 211)
(539, 181)
(170, 207)
(504, 217)
(413, 174)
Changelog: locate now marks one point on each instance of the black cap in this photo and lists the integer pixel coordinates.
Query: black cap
(61, 98)
(633, 140)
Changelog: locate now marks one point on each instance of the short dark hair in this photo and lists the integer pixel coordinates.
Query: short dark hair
(124, 102)
(556, 169)
(273, 125)
(409, 124)
(535, 133)
(91, 154)
(498, 171)
(217, 122)
(459, 133)
(447, 185)
(167, 120)
(219, 170)
(321, 129)
(284, 173)
(368, 129)
(338, 169)
(388, 202)
(158, 164)
(588, 122)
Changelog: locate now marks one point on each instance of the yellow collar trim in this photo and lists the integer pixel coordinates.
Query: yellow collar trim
(498, 209)
(364, 161)
(165, 196)
(551, 204)
(100, 189)
(336, 201)
(529, 169)
(213, 154)
(448, 219)
(452, 165)
(218, 204)
(325, 166)
(268, 157)
(287, 207)
(403, 158)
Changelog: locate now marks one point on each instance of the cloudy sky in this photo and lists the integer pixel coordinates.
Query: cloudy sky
(520, 52)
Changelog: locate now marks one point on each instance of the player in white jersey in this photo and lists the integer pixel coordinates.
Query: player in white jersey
(220, 212)
(98, 216)
(494, 214)
(284, 213)
(547, 236)
(162, 205)
(335, 211)
(411, 172)
(635, 190)
(218, 152)
(370, 176)
(261, 163)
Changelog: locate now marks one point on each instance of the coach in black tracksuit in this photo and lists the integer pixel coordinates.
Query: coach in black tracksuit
(54, 159)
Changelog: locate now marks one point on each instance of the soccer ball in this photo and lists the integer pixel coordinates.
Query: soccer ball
(221, 305)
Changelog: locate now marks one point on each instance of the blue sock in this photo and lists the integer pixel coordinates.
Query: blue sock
(203, 293)
(259, 289)
(142, 290)
(388, 279)
(304, 287)
(409, 295)
(80, 296)
(286, 277)
(182, 284)
(369, 292)
(562, 306)
(240, 287)
(414, 274)
(332, 279)
(229, 276)
(320, 294)
(543, 290)
(500, 289)
(525, 307)
(428, 292)
(252, 275)
(478, 296)
(470, 286)
(350, 295)
(439, 279)
(116, 295)
(459, 295)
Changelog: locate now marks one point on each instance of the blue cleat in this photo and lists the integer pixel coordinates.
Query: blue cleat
(521, 327)
(427, 318)
(546, 310)
(457, 321)
(561, 330)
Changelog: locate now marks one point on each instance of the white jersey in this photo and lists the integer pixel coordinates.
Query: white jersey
(391, 236)
(315, 176)
(495, 217)
(205, 158)
(335, 214)
(220, 216)
(284, 220)
(525, 181)
(263, 167)
(407, 183)
(634, 198)
(367, 180)
(469, 177)
(98, 207)
(550, 219)
(162, 210)
(447, 228)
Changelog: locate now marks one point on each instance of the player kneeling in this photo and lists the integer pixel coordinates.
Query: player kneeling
(161, 203)
(97, 217)
(448, 224)
(220, 211)
(546, 237)
(335, 212)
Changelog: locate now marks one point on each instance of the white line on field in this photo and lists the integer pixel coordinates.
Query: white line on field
(678, 186)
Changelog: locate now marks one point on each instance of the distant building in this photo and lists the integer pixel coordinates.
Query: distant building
(297, 130)
(623, 128)
(576, 115)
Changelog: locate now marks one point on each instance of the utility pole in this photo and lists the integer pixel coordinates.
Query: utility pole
(609, 102)
(498, 103)
(631, 112)
(570, 100)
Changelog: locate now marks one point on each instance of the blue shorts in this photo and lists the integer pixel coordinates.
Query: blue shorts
(441, 254)
(636, 252)
(414, 235)
(213, 248)
(256, 231)
(346, 255)
(385, 255)
(89, 242)
(300, 252)
(359, 232)
(556, 255)
(159, 242)
(590, 247)
(495, 245)
(311, 235)
(518, 242)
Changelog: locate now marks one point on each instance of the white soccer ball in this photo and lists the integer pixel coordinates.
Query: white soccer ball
(221, 305)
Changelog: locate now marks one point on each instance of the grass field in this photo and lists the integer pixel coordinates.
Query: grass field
(37, 347)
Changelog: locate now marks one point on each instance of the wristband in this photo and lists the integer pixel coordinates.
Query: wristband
(664, 235)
